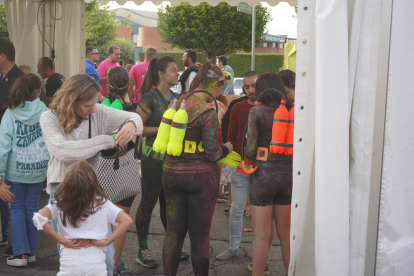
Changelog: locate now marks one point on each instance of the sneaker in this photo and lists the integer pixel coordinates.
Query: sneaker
(31, 258)
(121, 271)
(19, 260)
(4, 242)
(184, 256)
(226, 254)
(266, 271)
(145, 259)
(8, 252)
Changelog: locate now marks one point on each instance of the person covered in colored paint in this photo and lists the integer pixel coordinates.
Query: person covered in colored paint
(190, 180)
(162, 73)
(271, 184)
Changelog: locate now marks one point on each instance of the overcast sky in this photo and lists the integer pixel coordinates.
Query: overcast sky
(282, 24)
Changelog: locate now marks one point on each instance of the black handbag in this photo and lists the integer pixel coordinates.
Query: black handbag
(118, 175)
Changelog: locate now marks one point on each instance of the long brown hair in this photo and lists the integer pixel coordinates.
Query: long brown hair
(79, 88)
(271, 80)
(202, 78)
(151, 78)
(79, 195)
(118, 81)
(22, 90)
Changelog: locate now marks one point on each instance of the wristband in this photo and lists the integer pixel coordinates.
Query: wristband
(113, 237)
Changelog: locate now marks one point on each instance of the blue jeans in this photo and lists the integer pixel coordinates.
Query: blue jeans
(4, 213)
(240, 184)
(110, 249)
(25, 236)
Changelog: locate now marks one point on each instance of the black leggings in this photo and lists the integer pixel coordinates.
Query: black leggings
(190, 198)
(151, 189)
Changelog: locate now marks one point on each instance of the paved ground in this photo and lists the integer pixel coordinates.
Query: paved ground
(48, 260)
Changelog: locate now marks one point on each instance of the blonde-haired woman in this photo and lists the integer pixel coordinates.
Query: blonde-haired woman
(66, 130)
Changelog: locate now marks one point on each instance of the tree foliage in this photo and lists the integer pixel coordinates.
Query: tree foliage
(4, 33)
(213, 30)
(101, 25)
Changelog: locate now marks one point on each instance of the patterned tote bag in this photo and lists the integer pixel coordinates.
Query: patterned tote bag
(118, 174)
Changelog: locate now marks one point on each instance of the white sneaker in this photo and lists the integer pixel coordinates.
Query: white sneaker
(31, 258)
(19, 260)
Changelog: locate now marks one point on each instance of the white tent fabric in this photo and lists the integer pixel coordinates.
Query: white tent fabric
(335, 98)
(21, 24)
(396, 221)
(197, 2)
(22, 18)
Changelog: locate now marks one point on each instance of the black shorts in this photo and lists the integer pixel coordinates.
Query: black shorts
(126, 202)
(271, 183)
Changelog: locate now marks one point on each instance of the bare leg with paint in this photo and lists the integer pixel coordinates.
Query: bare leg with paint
(262, 227)
(281, 215)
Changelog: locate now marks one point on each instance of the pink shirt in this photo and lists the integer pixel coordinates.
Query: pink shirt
(138, 73)
(103, 68)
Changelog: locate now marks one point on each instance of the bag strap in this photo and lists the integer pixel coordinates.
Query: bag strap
(136, 94)
(116, 162)
(90, 127)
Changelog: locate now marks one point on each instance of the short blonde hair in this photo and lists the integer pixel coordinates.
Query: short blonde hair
(79, 88)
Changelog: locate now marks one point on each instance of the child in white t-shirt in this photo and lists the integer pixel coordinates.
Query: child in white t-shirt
(82, 212)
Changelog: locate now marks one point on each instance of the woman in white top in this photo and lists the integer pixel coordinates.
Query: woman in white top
(82, 212)
(66, 131)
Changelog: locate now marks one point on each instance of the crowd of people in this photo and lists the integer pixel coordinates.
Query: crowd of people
(49, 136)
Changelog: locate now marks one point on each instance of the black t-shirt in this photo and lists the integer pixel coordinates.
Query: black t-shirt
(53, 84)
(157, 104)
(42, 95)
(5, 84)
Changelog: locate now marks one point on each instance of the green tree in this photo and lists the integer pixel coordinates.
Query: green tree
(101, 25)
(4, 33)
(296, 13)
(212, 30)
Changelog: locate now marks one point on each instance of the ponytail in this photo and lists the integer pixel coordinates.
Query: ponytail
(149, 80)
(22, 90)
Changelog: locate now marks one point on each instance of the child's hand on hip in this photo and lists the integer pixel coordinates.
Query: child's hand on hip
(100, 242)
(71, 243)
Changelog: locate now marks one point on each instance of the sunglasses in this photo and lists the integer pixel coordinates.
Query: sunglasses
(95, 53)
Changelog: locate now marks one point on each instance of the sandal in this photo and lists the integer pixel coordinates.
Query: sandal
(247, 213)
(227, 211)
(222, 198)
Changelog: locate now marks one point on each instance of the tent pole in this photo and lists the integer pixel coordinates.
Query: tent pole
(253, 36)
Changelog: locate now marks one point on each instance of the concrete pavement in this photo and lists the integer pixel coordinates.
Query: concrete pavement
(47, 259)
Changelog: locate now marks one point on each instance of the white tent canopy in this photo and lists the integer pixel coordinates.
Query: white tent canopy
(354, 149)
(197, 2)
